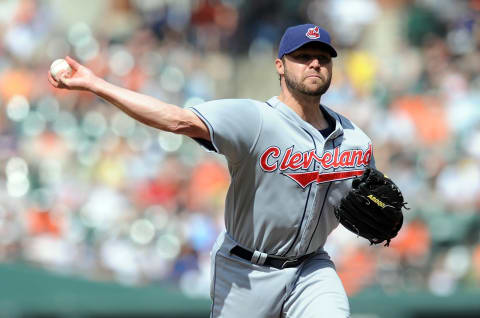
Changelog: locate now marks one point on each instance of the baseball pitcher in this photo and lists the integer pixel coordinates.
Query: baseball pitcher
(292, 161)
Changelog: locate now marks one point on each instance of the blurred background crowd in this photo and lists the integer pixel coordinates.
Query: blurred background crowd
(87, 191)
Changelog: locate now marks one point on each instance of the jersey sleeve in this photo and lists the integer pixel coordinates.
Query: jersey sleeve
(234, 126)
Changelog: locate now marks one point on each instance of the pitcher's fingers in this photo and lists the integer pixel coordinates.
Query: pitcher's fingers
(73, 64)
(63, 80)
(52, 81)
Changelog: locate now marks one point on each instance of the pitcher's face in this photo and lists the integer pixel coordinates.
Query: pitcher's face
(308, 70)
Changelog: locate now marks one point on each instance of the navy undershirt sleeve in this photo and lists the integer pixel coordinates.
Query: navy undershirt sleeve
(331, 126)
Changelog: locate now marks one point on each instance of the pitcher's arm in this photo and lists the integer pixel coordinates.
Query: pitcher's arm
(144, 108)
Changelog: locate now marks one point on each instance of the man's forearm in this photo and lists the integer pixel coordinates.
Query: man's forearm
(143, 108)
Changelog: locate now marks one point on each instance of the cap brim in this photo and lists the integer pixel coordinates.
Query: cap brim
(328, 47)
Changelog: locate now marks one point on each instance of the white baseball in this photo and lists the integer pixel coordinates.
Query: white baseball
(60, 66)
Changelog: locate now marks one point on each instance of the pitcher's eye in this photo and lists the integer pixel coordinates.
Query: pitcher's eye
(322, 59)
(303, 57)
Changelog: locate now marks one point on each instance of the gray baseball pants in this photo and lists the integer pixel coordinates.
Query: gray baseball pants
(242, 289)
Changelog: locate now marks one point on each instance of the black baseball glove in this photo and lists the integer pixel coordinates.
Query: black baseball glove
(373, 208)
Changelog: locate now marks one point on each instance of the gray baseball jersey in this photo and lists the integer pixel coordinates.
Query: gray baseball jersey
(286, 178)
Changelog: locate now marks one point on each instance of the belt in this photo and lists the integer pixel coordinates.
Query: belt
(272, 261)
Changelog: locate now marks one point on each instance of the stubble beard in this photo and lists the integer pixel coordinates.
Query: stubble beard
(300, 87)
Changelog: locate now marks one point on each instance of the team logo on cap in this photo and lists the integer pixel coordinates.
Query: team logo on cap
(313, 33)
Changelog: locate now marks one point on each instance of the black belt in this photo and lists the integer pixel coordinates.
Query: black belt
(277, 262)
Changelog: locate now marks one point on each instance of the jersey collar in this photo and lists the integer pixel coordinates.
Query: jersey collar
(291, 114)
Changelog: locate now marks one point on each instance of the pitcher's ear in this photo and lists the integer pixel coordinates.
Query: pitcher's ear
(279, 65)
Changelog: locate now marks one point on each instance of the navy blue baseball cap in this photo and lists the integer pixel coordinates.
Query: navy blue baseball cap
(299, 35)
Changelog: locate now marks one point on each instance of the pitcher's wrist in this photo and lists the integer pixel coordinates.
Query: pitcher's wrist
(96, 85)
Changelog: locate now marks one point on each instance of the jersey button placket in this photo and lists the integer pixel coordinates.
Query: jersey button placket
(303, 239)
(315, 210)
